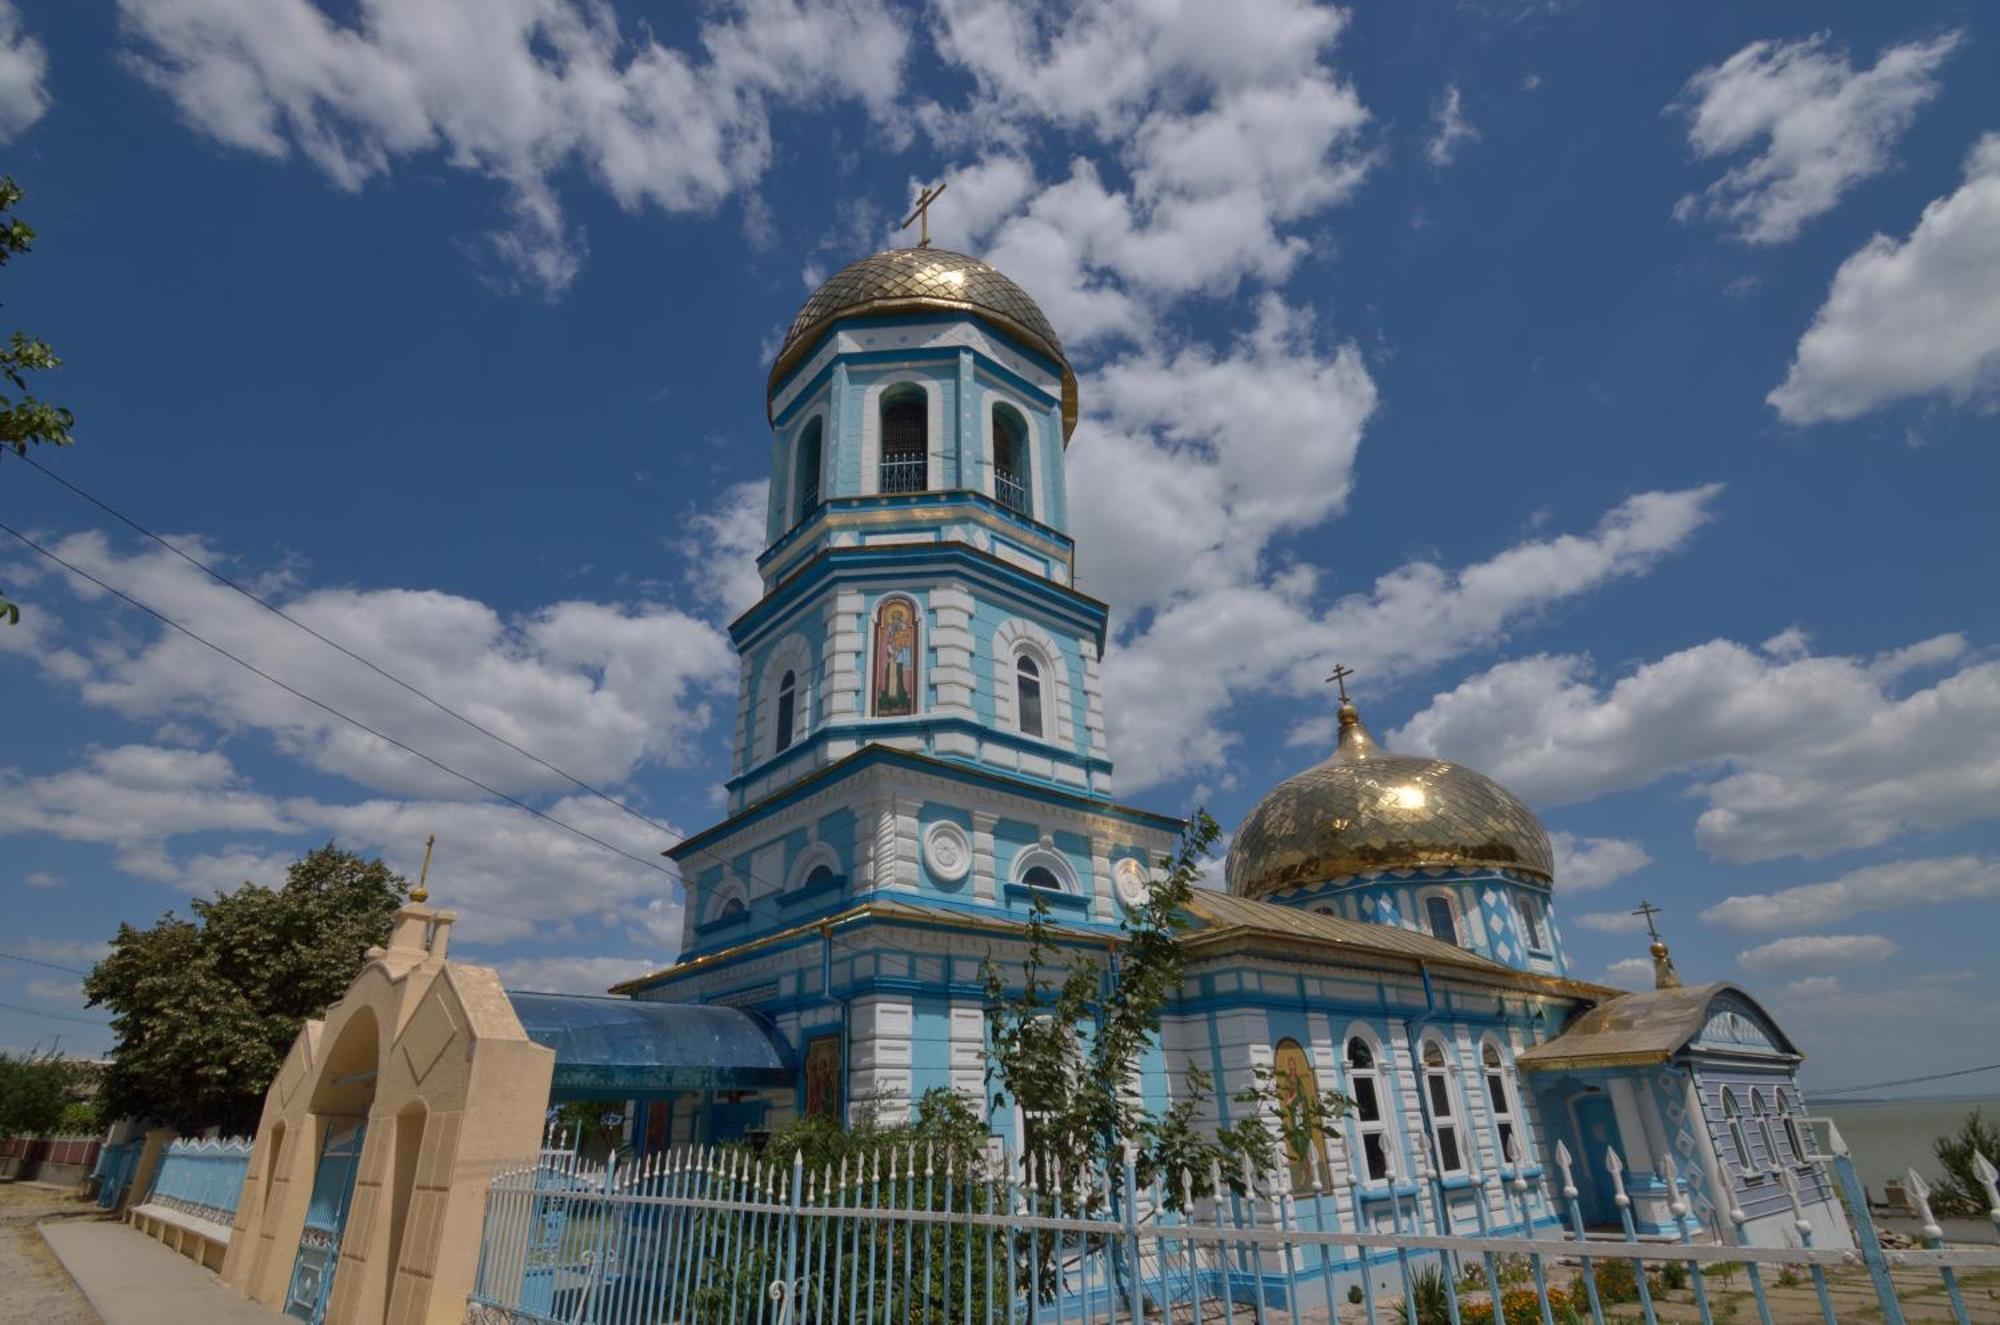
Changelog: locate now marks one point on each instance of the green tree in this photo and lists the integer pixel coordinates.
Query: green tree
(23, 417)
(1959, 1191)
(204, 1010)
(37, 1091)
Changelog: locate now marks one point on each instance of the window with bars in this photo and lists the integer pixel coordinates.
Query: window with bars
(1444, 1118)
(809, 463)
(905, 463)
(1364, 1082)
(1010, 461)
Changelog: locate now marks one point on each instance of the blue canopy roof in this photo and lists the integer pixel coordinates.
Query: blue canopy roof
(610, 1047)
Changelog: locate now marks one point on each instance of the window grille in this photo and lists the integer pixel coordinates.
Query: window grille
(905, 448)
(1010, 462)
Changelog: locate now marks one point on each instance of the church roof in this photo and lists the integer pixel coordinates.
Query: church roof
(1647, 1027)
(1364, 810)
(1222, 916)
(610, 1045)
(902, 280)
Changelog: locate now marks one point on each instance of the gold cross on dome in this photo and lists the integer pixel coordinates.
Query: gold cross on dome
(420, 893)
(1340, 674)
(1648, 910)
(921, 214)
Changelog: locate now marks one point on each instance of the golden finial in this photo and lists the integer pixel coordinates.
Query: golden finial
(1664, 974)
(921, 214)
(420, 893)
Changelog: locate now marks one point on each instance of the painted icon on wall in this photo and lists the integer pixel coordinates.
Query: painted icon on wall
(823, 1077)
(895, 660)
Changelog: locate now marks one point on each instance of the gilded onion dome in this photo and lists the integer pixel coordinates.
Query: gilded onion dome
(1365, 810)
(904, 280)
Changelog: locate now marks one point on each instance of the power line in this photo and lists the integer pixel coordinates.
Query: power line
(1907, 1081)
(325, 707)
(53, 1016)
(338, 647)
(36, 961)
(754, 907)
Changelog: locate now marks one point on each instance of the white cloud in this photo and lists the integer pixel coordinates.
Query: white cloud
(1823, 126)
(1630, 972)
(1801, 756)
(568, 975)
(1586, 863)
(722, 541)
(1813, 986)
(516, 91)
(1451, 129)
(42, 879)
(1895, 886)
(1810, 952)
(24, 71)
(595, 688)
(1911, 318)
(1608, 922)
(79, 953)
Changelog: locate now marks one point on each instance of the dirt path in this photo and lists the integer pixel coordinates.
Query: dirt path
(36, 1288)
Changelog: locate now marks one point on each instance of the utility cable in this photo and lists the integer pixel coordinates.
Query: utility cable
(53, 1016)
(1907, 1081)
(36, 961)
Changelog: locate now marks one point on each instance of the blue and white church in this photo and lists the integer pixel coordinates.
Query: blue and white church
(920, 759)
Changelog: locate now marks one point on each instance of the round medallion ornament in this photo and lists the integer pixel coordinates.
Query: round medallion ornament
(948, 851)
(1134, 882)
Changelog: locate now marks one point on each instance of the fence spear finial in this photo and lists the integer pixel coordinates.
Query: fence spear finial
(1989, 1178)
(1563, 1163)
(1919, 1193)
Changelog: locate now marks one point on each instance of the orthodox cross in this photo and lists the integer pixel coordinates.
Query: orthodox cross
(921, 214)
(421, 893)
(1648, 910)
(1340, 674)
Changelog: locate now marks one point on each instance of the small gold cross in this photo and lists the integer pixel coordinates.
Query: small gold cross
(922, 213)
(1648, 910)
(420, 893)
(1340, 674)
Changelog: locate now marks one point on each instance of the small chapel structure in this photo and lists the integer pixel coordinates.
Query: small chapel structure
(920, 758)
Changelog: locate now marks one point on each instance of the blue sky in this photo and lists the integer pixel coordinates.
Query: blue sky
(1614, 390)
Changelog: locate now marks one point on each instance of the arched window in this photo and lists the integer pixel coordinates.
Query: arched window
(905, 465)
(894, 689)
(731, 909)
(1028, 695)
(1764, 1132)
(1010, 461)
(1364, 1083)
(1499, 1097)
(1440, 917)
(1788, 1115)
(1731, 1118)
(1041, 876)
(1532, 931)
(1444, 1119)
(818, 874)
(788, 705)
(1298, 1118)
(806, 482)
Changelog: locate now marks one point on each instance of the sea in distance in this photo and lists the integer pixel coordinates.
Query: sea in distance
(1887, 1137)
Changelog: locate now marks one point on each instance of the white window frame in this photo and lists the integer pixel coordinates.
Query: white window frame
(989, 458)
(871, 429)
(729, 890)
(1762, 1118)
(1527, 904)
(1364, 1128)
(1011, 639)
(794, 515)
(1732, 1121)
(1458, 925)
(1502, 1099)
(790, 654)
(1443, 1110)
(1789, 1117)
(1055, 862)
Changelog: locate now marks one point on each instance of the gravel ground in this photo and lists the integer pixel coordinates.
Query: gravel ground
(34, 1287)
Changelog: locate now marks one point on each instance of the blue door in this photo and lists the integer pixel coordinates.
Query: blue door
(319, 1241)
(1597, 1129)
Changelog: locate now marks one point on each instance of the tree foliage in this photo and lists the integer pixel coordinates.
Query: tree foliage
(205, 1009)
(1959, 1191)
(39, 1094)
(24, 418)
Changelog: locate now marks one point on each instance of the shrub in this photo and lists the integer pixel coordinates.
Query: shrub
(1959, 1191)
(1430, 1294)
(1673, 1275)
(1519, 1305)
(1616, 1282)
(1354, 1294)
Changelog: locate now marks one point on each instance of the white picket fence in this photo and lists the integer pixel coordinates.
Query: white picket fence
(902, 1235)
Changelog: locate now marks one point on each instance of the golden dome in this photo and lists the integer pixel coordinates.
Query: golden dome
(903, 280)
(1365, 810)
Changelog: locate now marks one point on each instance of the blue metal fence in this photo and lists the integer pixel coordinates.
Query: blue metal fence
(115, 1164)
(202, 1178)
(904, 1235)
